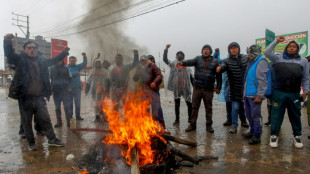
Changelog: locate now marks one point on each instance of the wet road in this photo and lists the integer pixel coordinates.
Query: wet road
(234, 152)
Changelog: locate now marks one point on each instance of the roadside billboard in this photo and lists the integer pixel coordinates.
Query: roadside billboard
(300, 37)
(57, 46)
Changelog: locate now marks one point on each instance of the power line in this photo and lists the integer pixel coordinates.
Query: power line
(78, 17)
(96, 18)
(145, 8)
(124, 19)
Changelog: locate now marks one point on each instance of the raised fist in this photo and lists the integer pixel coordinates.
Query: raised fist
(9, 36)
(84, 54)
(280, 39)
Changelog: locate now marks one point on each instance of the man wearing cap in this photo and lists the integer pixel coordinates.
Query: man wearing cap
(256, 87)
(235, 66)
(179, 82)
(290, 71)
(205, 75)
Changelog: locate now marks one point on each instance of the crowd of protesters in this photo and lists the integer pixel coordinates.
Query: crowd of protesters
(244, 80)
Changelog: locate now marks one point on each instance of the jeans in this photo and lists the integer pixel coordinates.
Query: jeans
(61, 95)
(229, 110)
(22, 113)
(75, 96)
(157, 111)
(237, 105)
(36, 106)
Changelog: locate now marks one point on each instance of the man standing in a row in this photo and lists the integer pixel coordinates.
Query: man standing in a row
(290, 71)
(205, 75)
(235, 66)
(179, 83)
(119, 76)
(76, 85)
(34, 87)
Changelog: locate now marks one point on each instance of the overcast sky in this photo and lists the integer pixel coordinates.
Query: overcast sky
(187, 26)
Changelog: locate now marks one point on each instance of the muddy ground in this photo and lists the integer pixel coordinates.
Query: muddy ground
(234, 152)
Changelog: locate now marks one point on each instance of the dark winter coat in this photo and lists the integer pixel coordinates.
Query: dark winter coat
(22, 64)
(151, 73)
(235, 68)
(60, 77)
(205, 72)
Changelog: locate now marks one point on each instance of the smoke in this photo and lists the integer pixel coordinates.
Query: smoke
(111, 39)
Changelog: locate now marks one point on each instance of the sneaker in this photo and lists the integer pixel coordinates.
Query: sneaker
(79, 118)
(244, 124)
(210, 129)
(247, 135)
(22, 135)
(55, 142)
(190, 128)
(227, 123)
(297, 142)
(32, 147)
(254, 140)
(233, 129)
(274, 141)
(176, 122)
(267, 123)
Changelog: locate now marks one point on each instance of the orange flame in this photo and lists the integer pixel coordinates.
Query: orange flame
(134, 128)
(84, 172)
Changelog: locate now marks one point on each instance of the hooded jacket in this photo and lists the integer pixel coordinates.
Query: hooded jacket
(97, 81)
(235, 68)
(205, 71)
(23, 64)
(288, 72)
(147, 75)
(60, 77)
(177, 74)
(119, 75)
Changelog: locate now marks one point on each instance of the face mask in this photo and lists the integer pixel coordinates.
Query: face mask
(180, 58)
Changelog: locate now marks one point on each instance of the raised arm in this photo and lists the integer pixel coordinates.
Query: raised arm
(165, 56)
(135, 60)
(83, 64)
(190, 62)
(9, 52)
(218, 82)
(59, 57)
(268, 52)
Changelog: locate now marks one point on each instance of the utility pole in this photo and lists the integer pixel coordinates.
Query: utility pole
(19, 21)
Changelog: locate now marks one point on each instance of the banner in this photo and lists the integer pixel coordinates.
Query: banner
(57, 47)
(300, 37)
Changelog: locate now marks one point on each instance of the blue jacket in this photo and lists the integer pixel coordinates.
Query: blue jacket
(76, 79)
(252, 84)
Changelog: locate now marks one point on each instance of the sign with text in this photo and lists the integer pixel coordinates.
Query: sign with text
(270, 36)
(300, 37)
(57, 47)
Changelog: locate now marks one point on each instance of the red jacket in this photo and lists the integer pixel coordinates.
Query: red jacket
(151, 73)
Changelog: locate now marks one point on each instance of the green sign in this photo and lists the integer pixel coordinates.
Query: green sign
(300, 37)
(270, 36)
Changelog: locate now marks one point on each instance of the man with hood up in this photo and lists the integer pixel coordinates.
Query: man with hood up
(205, 75)
(60, 81)
(119, 76)
(235, 66)
(97, 84)
(179, 82)
(256, 87)
(290, 71)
